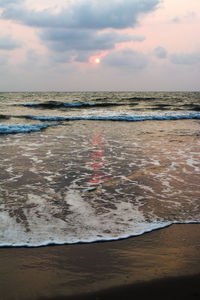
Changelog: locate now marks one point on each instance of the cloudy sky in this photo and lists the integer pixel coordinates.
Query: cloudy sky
(74, 45)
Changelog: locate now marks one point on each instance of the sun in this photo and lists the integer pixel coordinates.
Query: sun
(97, 60)
(94, 60)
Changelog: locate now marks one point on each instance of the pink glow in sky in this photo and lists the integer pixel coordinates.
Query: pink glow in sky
(53, 44)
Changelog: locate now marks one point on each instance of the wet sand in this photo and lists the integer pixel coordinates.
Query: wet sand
(163, 264)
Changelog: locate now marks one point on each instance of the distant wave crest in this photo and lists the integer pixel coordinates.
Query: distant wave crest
(5, 117)
(58, 104)
(134, 101)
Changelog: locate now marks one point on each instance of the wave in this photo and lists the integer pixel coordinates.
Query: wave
(144, 228)
(26, 128)
(194, 107)
(57, 104)
(141, 98)
(4, 117)
(101, 99)
(23, 128)
(126, 102)
(126, 118)
(44, 118)
(188, 107)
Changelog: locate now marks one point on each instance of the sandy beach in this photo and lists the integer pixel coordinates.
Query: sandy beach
(163, 264)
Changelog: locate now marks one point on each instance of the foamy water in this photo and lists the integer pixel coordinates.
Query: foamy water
(87, 167)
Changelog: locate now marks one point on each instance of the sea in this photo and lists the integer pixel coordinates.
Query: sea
(81, 167)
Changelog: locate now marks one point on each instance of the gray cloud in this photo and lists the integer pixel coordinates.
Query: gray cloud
(8, 43)
(176, 20)
(126, 58)
(83, 56)
(34, 61)
(87, 40)
(185, 58)
(138, 38)
(32, 55)
(3, 59)
(4, 3)
(191, 15)
(79, 29)
(85, 14)
(160, 52)
(62, 58)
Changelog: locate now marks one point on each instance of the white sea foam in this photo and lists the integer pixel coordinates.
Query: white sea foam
(83, 225)
(194, 164)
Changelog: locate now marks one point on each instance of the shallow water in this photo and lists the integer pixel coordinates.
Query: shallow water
(82, 180)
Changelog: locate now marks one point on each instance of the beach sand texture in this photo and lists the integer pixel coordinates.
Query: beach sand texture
(163, 264)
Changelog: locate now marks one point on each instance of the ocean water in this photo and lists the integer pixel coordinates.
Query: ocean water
(96, 166)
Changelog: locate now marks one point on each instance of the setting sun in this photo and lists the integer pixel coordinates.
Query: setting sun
(97, 60)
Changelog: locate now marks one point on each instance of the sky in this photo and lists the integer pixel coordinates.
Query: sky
(99, 45)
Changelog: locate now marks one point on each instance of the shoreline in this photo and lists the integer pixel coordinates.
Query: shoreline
(84, 242)
(162, 263)
(55, 244)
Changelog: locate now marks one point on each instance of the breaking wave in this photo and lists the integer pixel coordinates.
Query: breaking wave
(26, 128)
(23, 128)
(118, 117)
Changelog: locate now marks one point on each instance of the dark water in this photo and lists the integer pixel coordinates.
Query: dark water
(96, 166)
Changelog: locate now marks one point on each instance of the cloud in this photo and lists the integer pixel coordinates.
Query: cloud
(176, 20)
(190, 16)
(61, 58)
(65, 39)
(160, 52)
(33, 61)
(84, 26)
(185, 58)
(126, 59)
(83, 56)
(3, 59)
(4, 3)
(8, 43)
(32, 56)
(138, 38)
(85, 14)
